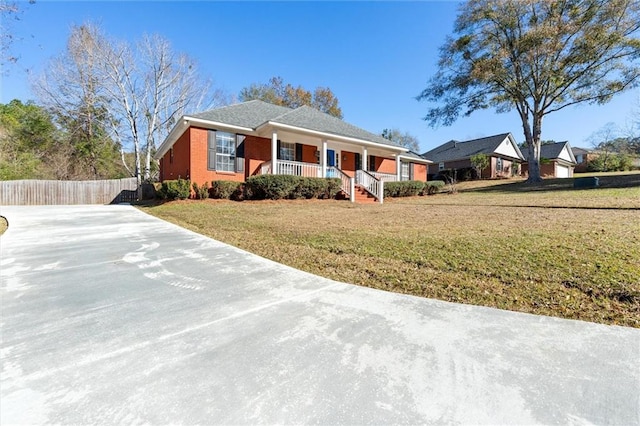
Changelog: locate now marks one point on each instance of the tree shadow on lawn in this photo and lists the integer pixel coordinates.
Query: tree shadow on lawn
(558, 184)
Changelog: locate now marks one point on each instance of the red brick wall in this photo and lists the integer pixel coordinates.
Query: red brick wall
(385, 165)
(420, 172)
(309, 154)
(178, 167)
(348, 163)
(256, 151)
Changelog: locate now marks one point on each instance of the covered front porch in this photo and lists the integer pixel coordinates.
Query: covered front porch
(359, 165)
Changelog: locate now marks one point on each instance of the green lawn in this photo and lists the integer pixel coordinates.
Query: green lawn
(546, 250)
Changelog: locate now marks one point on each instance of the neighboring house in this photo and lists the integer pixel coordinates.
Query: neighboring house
(503, 152)
(582, 156)
(556, 160)
(255, 137)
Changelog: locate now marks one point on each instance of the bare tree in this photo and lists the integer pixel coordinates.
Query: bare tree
(9, 12)
(145, 87)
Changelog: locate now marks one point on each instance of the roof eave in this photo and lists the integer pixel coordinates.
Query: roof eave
(331, 136)
(186, 122)
(171, 138)
(414, 159)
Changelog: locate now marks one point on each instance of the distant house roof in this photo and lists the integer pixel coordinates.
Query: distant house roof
(415, 157)
(457, 150)
(580, 151)
(555, 151)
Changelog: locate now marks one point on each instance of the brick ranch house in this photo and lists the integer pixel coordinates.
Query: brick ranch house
(503, 152)
(556, 160)
(255, 137)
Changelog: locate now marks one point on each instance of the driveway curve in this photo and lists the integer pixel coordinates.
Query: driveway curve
(110, 316)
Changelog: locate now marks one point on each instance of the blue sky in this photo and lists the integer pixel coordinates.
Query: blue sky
(375, 56)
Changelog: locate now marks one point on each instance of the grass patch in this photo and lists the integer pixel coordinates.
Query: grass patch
(579, 263)
(3, 224)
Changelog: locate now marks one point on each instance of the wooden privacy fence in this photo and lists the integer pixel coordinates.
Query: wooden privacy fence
(39, 192)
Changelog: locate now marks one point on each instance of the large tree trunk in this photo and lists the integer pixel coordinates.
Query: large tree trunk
(532, 137)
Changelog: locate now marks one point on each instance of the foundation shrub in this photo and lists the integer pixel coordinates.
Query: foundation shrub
(409, 188)
(309, 188)
(178, 189)
(201, 192)
(276, 187)
(333, 186)
(226, 189)
(433, 187)
(271, 187)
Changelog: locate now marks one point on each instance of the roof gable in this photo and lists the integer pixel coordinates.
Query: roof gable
(555, 151)
(502, 144)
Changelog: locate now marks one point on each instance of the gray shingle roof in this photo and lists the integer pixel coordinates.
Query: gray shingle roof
(310, 118)
(456, 150)
(549, 151)
(578, 151)
(253, 114)
(249, 114)
(412, 154)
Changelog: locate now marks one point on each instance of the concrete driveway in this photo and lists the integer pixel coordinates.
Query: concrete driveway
(112, 316)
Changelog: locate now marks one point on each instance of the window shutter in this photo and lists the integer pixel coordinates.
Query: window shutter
(411, 170)
(240, 153)
(372, 163)
(358, 162)
(211, 150)
(298, 154)
(279, 155)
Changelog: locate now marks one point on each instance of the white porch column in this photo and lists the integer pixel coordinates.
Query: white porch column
(274, 152)
(365, 159)
(398, 167)
(323, 158)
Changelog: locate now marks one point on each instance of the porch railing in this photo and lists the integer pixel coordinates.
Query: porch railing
(387, 177)
(265, 168)
(371, 184)
(296, 168)
(348, 183)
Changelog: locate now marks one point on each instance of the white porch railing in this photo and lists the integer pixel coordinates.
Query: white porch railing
(297, 168)
(371, 184)
(387, 177)
(265, 168)
(348, 183)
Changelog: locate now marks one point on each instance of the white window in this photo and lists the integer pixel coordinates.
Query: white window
(499, 164)
(287, 151)
(579, 158)
(440, 166)
(225, 152)
(404, 171)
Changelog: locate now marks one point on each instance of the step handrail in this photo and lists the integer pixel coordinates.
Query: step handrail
(348, 184)
(371, 184)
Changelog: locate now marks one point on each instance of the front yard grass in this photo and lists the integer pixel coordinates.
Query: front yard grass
(493, 247)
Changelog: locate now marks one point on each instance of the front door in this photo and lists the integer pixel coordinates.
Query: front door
(331, 162)
(331, 158)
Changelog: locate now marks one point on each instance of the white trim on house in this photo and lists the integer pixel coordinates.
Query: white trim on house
(567, 155)
(331, 136)
(414, 159)
(185, 122)
(508, 149)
